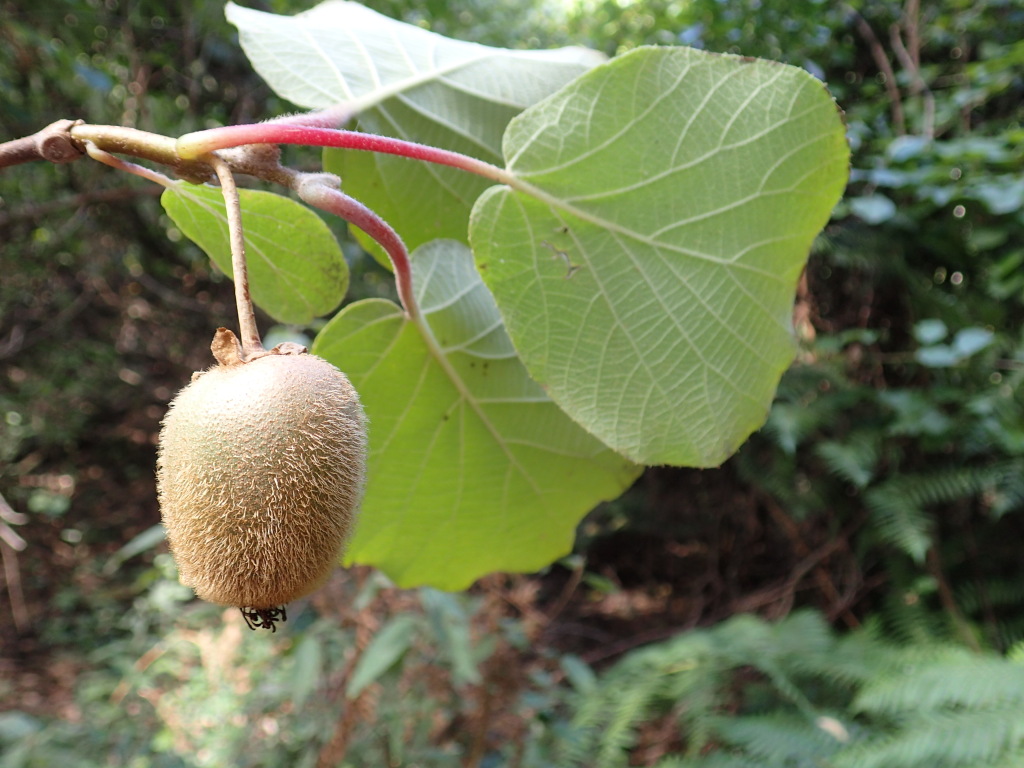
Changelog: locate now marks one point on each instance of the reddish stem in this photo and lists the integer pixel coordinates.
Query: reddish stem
(192, 145)
(315, 189)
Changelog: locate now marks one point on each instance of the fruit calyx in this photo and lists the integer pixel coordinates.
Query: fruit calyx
(227, 349)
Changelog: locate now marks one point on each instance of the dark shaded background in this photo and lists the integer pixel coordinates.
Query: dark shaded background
(885, 489)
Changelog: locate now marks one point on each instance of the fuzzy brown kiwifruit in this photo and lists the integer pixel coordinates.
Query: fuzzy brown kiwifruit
(260, 471)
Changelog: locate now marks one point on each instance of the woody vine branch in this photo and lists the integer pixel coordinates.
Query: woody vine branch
(218, 154)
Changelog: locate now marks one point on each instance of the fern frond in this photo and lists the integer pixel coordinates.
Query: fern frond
(620, 729)
(854, 459)
(911, 622)
(994, 593)
(681, 669)
(714, 760)
(898, 506)
(1012, 758)
(745, 639)
(946, 739)
(783, 738)
(961, 679)
(899, 521)
(695, 675)
(848, 664)
(1007, 494)
(950, 484)
(855, 702)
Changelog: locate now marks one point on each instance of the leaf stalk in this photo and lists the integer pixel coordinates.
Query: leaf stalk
(321, 190)
(193, 145)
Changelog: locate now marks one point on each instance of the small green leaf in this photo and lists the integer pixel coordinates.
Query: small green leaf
(297, 271)
(143, 542)
(915, 413)
(645, 260)
(966, 342)
(451, 628)
(472, 468)
(308, 671)
(790, 424)
(16, 725)
(579, 674)
(930, 331)
(969, 341)
(854, 460)
(873, 209)
(937, 356)
(387, 647)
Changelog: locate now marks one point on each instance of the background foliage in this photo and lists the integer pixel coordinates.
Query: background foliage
(883, 497)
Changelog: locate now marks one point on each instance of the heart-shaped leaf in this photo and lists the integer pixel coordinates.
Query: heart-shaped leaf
(404, 81)
(645, 258)
(296, 268)
(472, 468)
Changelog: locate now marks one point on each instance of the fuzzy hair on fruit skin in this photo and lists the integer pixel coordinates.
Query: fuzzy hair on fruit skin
(260, 471)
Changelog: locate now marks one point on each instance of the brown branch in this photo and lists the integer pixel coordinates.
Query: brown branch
(882, 62)
(12, 577)
(53, 143)
(812, 561)
(66, 140)
(912, 18)
(10, 544)
(909, 57)
(352, 710)
(948, 599)
(143, 145)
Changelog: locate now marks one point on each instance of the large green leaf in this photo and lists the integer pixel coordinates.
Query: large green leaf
(472, 468)
(406, 82)
(645, 261)
(296, 268)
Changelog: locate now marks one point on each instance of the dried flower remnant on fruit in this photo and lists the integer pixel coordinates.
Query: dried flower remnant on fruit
(260, 471)
(264, 618)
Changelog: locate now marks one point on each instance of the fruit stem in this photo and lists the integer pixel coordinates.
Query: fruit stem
(250, 334)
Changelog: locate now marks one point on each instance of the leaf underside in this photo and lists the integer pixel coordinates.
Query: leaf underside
(646, 262)
(472, 468)
(406, 82)
(633, 287)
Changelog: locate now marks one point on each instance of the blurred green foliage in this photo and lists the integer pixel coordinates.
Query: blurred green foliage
(885, 491)
(747, 693)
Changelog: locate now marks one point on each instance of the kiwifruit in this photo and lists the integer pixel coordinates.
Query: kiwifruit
(260, 471)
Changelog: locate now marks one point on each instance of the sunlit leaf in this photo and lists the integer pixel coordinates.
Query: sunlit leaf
(406, 82)
(646, 261)
(472, 468)
(969, 341)
(873, 209)
(296, 268)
